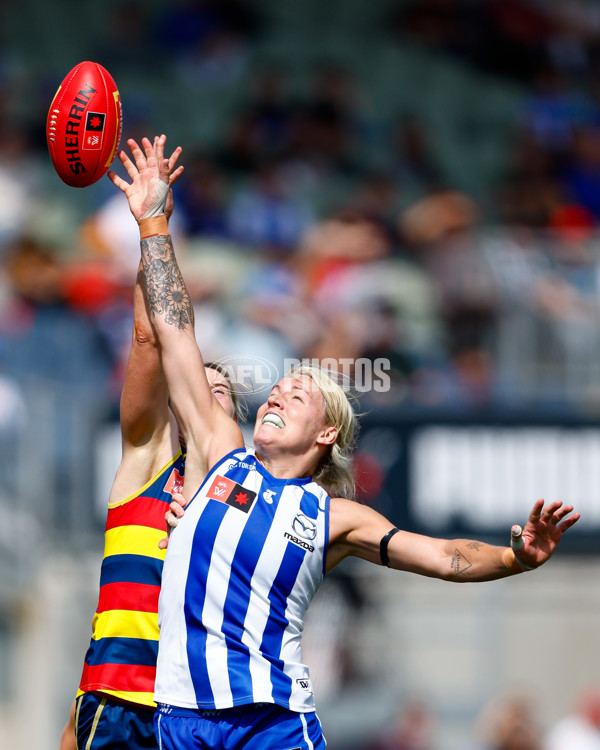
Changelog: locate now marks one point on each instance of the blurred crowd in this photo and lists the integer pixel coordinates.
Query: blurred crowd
(509, 721)
(295, 244)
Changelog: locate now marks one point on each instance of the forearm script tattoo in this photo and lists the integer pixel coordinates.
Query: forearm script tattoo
(168, 296)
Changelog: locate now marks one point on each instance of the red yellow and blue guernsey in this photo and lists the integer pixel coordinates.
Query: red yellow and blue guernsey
(121, 659)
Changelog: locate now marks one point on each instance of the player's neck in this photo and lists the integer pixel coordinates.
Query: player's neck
(286, 466)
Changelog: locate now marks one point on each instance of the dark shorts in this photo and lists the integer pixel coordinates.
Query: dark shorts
(103, 724)
(252, 727)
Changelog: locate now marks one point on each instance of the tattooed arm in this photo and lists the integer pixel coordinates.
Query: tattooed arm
(357, 530)
(208, 432)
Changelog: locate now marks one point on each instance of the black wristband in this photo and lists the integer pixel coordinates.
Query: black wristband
(383, 545)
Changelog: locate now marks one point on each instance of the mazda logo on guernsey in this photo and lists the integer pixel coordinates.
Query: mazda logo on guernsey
(253, 374)
(304, 527)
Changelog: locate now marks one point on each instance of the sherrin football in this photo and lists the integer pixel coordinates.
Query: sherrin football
(84, 125)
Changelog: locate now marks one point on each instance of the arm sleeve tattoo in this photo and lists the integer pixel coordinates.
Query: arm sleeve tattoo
(167, 293)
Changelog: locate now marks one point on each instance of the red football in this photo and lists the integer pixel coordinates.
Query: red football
(84, 125)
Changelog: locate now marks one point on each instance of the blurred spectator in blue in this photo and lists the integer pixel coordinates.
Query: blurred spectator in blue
(580, 172)
(266, 216)
(264, 126)
(412, 159)
(331, 128)
(189, 23)
(550, 111)
(210, 38)
(202, 200)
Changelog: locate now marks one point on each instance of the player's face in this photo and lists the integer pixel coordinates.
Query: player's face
(221, 390)
(293, 416)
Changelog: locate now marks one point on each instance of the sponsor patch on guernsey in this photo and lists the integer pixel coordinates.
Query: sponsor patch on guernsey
(228, 491)
(243, 465)
(174, 482)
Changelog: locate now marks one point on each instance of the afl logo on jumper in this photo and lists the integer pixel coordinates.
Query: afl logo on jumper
(228, 491)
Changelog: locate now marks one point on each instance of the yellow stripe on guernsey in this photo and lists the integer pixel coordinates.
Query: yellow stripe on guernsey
(149, 483)
(123, 623)
(146, 699)
(134, 540)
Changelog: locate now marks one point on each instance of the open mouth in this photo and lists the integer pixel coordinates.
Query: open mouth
(273, 419)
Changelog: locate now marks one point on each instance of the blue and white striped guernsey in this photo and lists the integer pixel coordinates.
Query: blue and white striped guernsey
(241, 569)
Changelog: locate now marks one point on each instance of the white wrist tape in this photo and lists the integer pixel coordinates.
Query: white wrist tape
(161, 191)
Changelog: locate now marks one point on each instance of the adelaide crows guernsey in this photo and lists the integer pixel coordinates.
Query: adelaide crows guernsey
(121, 659)
(241, 569)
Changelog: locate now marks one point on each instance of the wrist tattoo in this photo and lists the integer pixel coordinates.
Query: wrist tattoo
(459, 563)
(167, 294)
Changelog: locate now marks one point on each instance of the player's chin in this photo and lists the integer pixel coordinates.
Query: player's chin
(266, 435)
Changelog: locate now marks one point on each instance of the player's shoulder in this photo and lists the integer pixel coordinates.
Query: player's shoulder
(141, 468)
(344, 511)
(347, 516)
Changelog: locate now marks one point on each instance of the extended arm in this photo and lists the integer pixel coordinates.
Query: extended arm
(208, 432)
(358, 530)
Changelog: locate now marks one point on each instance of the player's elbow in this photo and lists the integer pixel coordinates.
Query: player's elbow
(143, 335)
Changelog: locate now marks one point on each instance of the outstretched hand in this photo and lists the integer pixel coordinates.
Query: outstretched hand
(152, 175)
(172, 517)
(543, 531)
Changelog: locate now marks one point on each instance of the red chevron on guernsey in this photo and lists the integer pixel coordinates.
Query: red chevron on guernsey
(141, 511)
(135, 597)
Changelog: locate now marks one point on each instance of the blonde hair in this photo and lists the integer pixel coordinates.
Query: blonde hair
(334, 472)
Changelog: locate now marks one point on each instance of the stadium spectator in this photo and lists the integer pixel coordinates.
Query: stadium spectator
(413, 728)
(331, 123)
(508, 722)
(265, 217)
(263, 128)
(202, 199)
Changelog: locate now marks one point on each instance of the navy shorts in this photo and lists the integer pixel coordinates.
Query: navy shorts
(104, 724)
(252, 727)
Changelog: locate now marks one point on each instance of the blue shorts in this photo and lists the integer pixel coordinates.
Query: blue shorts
(263, 726)
(104, 724)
